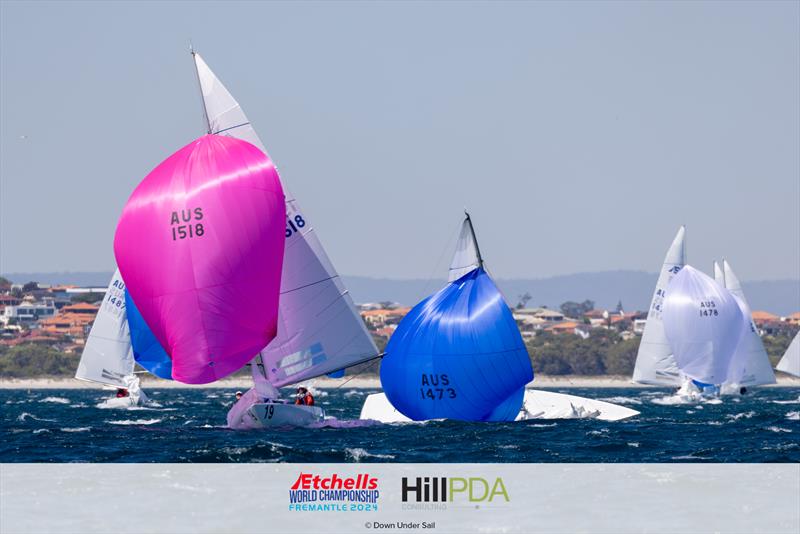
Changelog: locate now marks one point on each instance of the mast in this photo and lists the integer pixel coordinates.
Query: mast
(474, 239)
(200, 86)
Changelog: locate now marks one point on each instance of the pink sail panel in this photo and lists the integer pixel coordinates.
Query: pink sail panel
(200, 247)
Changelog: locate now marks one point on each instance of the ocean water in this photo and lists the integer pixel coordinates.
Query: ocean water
(188, 425)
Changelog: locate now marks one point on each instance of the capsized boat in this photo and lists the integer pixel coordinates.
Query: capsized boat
(319, 330)
(107, 357)
(790, 362)
(458, 354)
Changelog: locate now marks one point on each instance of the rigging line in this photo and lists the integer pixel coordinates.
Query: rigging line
(438, 262)
(374, 361)
(231, 127)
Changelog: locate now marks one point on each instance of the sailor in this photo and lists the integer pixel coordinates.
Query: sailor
(742, 390)
(122, 393)
(304, 397)
(238, 395)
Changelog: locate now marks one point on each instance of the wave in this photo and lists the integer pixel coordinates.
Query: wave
(57, 400)
(778, 429)
(76, 429)
(357, 454)
(135, 422)
(622, 400)
(742, 415)
(793, 416)
(25, 416)
(794, 401)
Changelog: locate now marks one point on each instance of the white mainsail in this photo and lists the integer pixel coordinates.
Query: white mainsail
(467, 256)
(719, 275)
(750, 364)
(319, 329)
(790, 363)
(107, 356)
(655, 363)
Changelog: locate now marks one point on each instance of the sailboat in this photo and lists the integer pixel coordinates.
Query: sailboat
(655, 363)
(703, 324)
(790, 362)
(107, 357)
(458, 354)
(750, 364)
(319, 329)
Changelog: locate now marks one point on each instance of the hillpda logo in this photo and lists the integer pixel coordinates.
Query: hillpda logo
(333, 493)
(434, 493)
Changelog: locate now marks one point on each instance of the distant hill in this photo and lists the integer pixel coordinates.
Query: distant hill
(633, 288)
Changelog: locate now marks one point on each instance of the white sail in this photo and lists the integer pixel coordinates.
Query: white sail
(467, 256)
(703, 323)
(719, 275)
(790, 363)
(107, 356)
(750, 364)
(655, 363)
(319, 329)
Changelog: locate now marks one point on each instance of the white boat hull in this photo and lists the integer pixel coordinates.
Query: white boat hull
(537, 404)
(274, 415)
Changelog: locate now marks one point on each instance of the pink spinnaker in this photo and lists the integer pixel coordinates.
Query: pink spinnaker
(200, 246)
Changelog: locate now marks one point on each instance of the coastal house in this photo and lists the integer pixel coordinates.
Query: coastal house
(28, 311)
(376, 319)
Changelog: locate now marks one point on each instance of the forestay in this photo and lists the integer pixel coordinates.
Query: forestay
(750, 364)
(107, 356)
(655, 363)
(319, 329)
(703, 323)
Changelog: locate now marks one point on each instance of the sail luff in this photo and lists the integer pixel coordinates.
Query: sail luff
(655, 363)
(200, 86)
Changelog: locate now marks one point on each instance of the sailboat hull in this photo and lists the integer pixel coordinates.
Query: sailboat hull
(274, 415)
(537, 404)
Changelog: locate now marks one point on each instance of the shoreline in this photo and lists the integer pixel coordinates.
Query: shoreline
(244, 383)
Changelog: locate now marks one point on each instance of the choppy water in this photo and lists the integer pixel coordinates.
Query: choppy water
(188, 426)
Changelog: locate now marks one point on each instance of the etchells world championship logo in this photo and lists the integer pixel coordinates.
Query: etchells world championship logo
(333, 493)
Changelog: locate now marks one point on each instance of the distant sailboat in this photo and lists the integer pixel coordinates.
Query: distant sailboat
(319, 329)
(655, 363)
(107, 357)
(790, 363)
(703, 324)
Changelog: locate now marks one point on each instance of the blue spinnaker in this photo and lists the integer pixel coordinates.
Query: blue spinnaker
(458, 355)
(147, 351)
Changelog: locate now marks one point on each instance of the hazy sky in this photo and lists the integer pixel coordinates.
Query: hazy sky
(580, 135)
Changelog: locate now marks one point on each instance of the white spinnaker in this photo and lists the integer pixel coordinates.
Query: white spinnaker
(703, 323)
(107, 356)
(466, 258)
(655, 363)
(750, 363)
(319, 329)
(790, 363)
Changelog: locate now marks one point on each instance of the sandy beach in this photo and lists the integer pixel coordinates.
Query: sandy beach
(370, 382)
